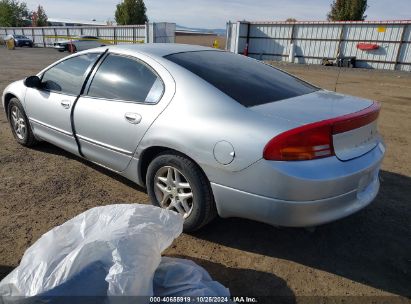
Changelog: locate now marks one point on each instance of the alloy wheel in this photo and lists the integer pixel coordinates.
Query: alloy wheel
(18, 123)
(173, 191)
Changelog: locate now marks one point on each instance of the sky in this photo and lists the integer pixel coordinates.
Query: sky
(215, 13)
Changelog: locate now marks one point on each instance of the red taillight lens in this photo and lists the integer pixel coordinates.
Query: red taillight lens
(303, 143)
(315, 140)
(356, 120)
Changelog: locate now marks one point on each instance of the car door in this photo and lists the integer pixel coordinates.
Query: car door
(49, 107)
(123, 99)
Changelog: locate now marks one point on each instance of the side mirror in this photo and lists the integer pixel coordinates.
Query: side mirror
(32, 82)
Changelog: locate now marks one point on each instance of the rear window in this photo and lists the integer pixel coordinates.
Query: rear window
(247, 81)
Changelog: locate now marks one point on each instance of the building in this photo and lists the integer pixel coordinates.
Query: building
(71, 22)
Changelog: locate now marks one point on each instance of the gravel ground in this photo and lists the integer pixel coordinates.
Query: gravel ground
(367, 254)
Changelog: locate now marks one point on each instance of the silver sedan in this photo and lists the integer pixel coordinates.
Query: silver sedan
(207, 132)
(79, 44)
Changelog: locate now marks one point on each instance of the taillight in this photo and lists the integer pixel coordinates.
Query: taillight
(314, 140)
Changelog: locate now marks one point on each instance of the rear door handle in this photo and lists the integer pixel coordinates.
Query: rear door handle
(133, 118)
(66, 104)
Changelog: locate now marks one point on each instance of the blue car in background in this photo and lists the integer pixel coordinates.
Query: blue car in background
(20, 40)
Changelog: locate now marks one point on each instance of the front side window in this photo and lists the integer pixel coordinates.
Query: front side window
(126, 79)
(67, 77)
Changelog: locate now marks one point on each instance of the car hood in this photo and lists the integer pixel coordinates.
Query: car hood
(316, 106)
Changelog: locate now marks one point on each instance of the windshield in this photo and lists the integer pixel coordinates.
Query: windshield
(248, 81)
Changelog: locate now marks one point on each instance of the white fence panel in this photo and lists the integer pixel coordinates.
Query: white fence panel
(74, 32)
(329, 32)
(263, 31)
(106, 33)
(164, 32)
(38, 37)
(141, 32)
(231, 37)
(46, 36)
(124, 35)
(405, 50)
(266, 42)
(314, 41)
(49, 37)
(89, 31)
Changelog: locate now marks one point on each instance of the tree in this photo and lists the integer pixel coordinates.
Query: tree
(348, 10)
(131, 12)
(291, 20)
(39, 17)
(13, 13)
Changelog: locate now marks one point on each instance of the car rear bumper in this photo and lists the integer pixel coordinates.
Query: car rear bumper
(293, 213)
(301, 194)
(24, 43)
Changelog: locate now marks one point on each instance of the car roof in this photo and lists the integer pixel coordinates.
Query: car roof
(160, 49)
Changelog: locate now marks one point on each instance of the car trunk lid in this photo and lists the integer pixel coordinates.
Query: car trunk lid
(352, 120)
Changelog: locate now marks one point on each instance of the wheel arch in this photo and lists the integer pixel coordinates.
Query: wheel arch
(7, 98)
(150, 153)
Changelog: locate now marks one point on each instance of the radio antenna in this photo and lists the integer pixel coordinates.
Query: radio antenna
(339, 64)
(338, 78)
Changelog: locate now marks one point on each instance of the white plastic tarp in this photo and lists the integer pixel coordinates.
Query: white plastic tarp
(109, 251)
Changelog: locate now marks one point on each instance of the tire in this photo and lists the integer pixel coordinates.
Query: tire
(20, 126)
(201, 205)
(71, 48)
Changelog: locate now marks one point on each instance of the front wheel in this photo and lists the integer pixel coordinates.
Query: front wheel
(176, 183)
(19, 124)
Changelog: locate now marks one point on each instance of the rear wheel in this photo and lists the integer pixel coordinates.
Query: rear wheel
(19, 124)
(176, 183)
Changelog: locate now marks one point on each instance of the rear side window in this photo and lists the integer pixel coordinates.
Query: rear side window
(67, 77)
(247, 81)
(127, 79)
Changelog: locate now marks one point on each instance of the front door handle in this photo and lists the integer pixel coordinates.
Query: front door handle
(66, 104)
(133, 118)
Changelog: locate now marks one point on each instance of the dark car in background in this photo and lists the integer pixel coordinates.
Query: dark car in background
(21, 40)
